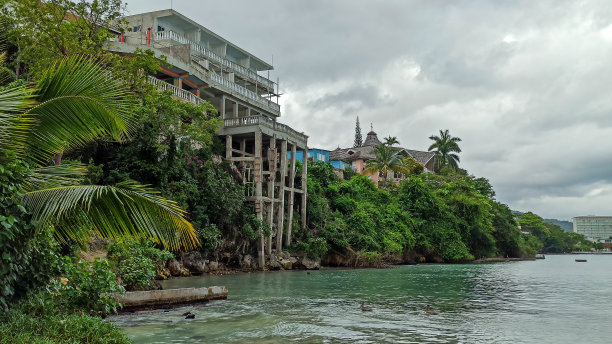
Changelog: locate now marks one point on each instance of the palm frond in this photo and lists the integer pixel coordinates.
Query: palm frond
(14, 128)
(77, 102)
(124, 210)
(55, 176)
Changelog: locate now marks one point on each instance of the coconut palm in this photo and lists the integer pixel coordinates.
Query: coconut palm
(74, 103)
(391, 140)
(445, 148)
(386, 160)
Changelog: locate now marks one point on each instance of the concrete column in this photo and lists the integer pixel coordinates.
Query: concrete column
(223, 107)
(304, 185)
(271, 179)
(178, 82)
(281, 207)
(235, 110)
(291, 196)
(228, 147)
(243, 146)
(258, 177)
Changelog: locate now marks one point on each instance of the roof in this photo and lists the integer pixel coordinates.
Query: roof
(367, 153)
(372, 140)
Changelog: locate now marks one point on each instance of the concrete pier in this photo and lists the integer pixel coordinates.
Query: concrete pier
(170, 297)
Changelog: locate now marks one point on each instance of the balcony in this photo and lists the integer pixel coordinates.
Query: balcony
(244, 92)
(177, 92)
(268, 123)
(197, 49)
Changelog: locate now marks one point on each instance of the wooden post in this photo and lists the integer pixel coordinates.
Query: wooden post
(258, 177)
(281, 207)
(291, 196)
(304, 185)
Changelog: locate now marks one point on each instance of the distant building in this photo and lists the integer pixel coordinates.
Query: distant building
(358, 156)
(598, 228)
(314, 154)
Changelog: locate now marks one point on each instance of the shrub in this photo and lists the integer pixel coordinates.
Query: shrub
(137, 262)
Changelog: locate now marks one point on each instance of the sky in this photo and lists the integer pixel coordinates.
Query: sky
(525, 84)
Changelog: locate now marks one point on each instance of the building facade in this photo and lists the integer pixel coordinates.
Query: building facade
(357, 158)
(598, 228)
(202, 66)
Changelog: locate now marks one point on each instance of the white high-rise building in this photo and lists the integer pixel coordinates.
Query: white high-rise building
(594, 227)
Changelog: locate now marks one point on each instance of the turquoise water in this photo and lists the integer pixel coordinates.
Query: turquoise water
(555, 300)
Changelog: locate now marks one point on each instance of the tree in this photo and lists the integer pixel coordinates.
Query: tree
(74, 103)
(386, 160)
(358, 138)
(44, 31)
(391, 140)
(445, 148)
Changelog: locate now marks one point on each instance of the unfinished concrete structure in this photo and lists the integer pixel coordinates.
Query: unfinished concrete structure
(205, 66)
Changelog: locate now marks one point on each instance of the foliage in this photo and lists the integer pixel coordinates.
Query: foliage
(19, 327)
(552, 238)
(137, 262)
(88, 287)
(43, 33)
(446, 147)
(358, 138)
(386, 160)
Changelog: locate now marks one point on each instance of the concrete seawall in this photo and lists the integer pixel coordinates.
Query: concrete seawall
(166, 298)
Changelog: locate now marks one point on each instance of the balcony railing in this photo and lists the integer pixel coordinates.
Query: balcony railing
(244, 92)
(178, 92)
(263, 120)
(209, 54)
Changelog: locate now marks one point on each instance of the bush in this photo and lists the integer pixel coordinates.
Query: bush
(137, 263)
(17, 327)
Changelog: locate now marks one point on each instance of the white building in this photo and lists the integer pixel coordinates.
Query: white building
(594, 227)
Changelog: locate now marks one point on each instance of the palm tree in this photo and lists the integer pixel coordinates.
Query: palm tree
(445, 148)
(74, 103)
(391, 140)
(386, 160)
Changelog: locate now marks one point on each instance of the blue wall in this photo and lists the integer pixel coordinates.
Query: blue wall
(341, 165)
(315, 155)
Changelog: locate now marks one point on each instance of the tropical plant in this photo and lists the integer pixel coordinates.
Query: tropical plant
(445, 148)
(391, 140)
(386, 160)
(74, 103)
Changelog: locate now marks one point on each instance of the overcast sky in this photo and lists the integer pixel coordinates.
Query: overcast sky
(525, 84)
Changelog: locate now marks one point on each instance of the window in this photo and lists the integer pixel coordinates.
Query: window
(137, 28)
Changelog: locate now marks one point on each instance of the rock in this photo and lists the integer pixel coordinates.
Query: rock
(248, 262)
(194, 263)
(213, 266)
(286, 264)
(310, 264)
(185, 272)
(163, 274)
(274, 263)
(174, 266)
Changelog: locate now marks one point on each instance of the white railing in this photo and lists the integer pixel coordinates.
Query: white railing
(177, 92)
(244, 92)
(207, 53)
(263, 120)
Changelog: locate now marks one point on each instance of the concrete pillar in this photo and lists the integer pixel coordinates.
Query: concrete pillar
(243, 146)
(281, 208)
(271, 179)
(222, 110)
(258, 177)
(228, 147)
(291, 196)
(235, 110)
(304, 185)
(178, 82)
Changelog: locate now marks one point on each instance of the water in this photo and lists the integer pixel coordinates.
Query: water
(555, 300)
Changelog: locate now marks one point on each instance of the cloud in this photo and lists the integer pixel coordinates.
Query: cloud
(524, 83)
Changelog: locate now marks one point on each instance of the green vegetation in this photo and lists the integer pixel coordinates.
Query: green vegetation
(446, 147)
(137, 263)
(552, 238)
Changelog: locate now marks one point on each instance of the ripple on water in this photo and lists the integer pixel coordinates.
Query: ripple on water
(522, 302)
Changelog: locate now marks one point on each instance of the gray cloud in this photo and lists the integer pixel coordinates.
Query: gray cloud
(524, 83)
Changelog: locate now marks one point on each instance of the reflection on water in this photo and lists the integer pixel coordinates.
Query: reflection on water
(547, 301)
